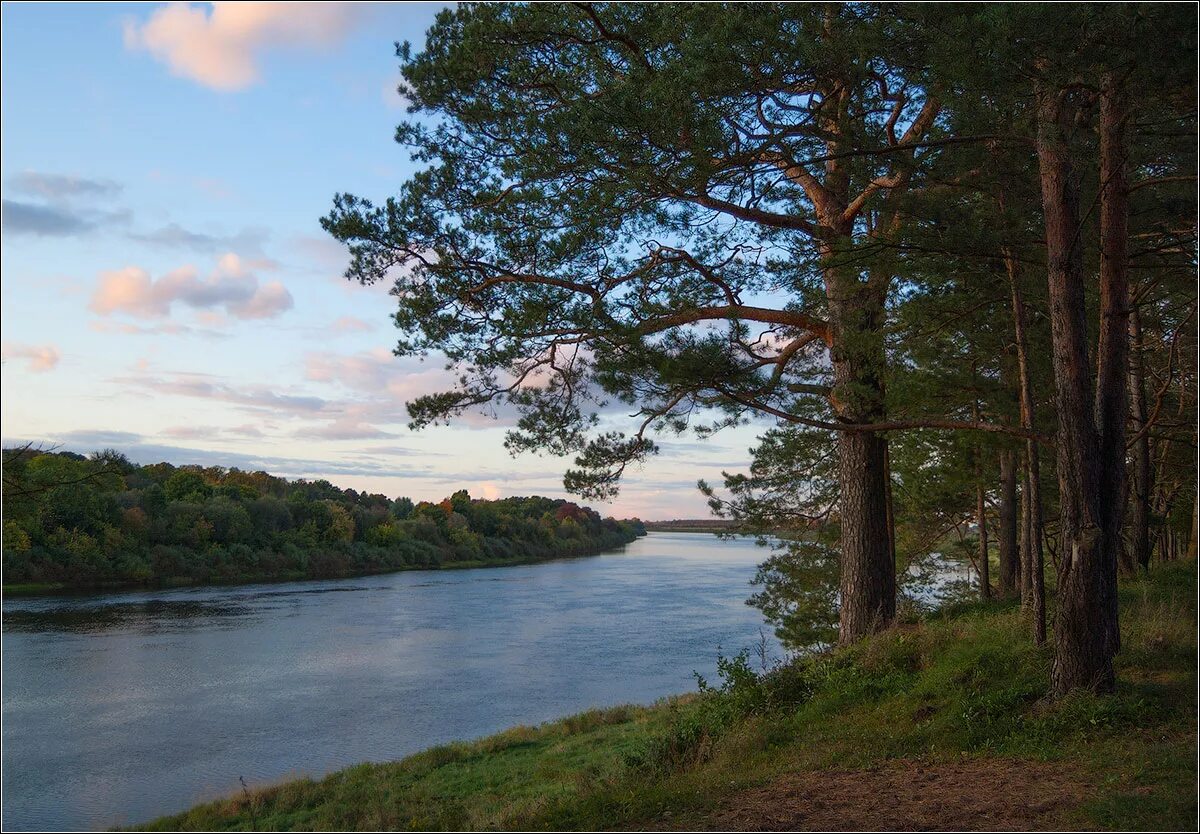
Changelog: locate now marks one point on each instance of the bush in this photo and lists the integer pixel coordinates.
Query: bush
(696, 727)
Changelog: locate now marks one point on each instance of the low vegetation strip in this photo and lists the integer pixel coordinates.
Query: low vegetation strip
(693, 525)
(946, 718)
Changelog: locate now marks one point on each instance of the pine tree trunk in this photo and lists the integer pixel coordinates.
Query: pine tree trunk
(1006, 533)
(868, 581)
(868, 569)
(1112, 375)
(982, 525)
(1033, 533)
(1143, 472)
(891, 510)
(1033, 570)
(1024, 572)
(1192, 539)
(1085, 633)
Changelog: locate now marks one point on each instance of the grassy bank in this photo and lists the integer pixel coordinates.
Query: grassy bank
(936, 723)
(36, 589)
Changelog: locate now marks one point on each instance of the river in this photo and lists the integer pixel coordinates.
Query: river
(122, 707)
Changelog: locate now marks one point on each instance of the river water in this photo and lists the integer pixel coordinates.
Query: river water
(122, 707)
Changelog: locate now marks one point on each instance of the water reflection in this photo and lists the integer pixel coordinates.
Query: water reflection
(153, 616)
(936, 580)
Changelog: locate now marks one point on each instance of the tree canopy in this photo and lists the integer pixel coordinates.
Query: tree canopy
(908, 236)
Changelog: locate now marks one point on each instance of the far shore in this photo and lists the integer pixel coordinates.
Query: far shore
(39, 589)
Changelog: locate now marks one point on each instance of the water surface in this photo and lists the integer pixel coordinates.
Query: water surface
(122, 707)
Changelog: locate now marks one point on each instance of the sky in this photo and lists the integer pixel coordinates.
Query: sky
(167, 289)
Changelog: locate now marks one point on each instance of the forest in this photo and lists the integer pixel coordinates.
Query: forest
(77, 521)
(945, 254)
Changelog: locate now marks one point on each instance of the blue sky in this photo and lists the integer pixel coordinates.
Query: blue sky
(167, 289)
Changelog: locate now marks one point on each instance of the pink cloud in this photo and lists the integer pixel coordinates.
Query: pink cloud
(268, 301)
(230, 285)
(41, 358)
(221, 48)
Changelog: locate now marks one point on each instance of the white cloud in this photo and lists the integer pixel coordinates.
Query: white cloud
(41, 358)
(222, 48)
(230, 285)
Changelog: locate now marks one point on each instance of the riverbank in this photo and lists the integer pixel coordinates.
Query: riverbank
(939, 723)
(39, 589)
(694, 525)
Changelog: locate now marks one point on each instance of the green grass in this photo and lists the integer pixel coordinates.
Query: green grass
(966, 683)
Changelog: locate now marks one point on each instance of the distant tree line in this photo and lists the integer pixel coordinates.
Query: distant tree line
(99, 520)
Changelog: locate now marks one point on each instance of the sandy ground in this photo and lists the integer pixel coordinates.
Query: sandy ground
(978, 794)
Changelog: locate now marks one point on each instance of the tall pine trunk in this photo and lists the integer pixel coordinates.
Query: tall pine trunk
(1143, 472)
(868, 573)
(1194, 536)
(1085, 634)
(1033, 570)
(868, 568)
(1112, 375)
(1006, 532)
(1032, 526)
(985, 579)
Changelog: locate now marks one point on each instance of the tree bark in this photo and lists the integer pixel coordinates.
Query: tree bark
(868, 580)
(1143, 472)
(1032, 566)
(1025, 573)
(1033, 569)
(868, 569)
(985, 580)
(1006, 533)
(1112, 374)
(891, 510)
(1085, 634)
(1033, 536)
(1195, 534)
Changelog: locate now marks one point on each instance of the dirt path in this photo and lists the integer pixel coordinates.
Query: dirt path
(987, 794)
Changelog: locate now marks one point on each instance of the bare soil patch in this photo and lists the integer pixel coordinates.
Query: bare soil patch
(975, 794)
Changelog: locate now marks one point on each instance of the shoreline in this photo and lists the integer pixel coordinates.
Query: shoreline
(746, 753)
(33, 590)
